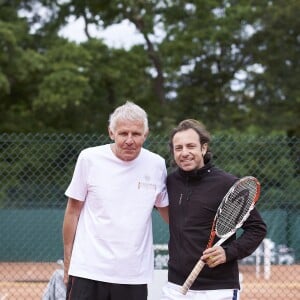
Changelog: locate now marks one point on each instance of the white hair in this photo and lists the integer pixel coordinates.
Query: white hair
(128, 111)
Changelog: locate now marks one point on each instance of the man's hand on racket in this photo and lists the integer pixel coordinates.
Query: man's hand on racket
(231, 214)
(214, 256)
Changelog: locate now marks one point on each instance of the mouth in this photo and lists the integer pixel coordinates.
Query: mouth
(187, 161)
(129, 149)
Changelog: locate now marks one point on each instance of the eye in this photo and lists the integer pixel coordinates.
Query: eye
(136, 134)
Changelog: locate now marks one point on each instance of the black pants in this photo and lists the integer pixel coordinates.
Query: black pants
(87, 289)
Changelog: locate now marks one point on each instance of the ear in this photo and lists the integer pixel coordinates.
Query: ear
(204, 149)
(111, 134)
(146, 134)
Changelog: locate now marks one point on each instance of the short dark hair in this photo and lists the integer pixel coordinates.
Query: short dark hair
(204, 135)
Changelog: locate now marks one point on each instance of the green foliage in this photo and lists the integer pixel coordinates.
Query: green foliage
(4, 84)
(65, 83)
(231, 64)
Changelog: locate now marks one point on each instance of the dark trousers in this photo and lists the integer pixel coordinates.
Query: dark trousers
(86, 289)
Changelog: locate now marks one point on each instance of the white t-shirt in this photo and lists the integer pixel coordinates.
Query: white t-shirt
(114, 241)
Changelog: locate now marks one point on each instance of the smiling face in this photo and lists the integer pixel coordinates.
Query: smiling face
(187, 150)
(129, 137)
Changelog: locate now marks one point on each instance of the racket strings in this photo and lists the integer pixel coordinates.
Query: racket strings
(236, 206)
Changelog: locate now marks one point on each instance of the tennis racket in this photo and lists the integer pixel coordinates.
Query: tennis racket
(233, 211)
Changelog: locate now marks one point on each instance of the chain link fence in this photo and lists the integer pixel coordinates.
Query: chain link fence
(36, 169)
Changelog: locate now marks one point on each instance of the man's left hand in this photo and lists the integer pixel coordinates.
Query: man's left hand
(214, 256)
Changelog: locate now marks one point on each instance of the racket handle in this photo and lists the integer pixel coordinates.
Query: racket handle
(193, 275)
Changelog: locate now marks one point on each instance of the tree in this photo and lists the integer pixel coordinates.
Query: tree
(228, 63)
(221, 62)
(142, 14)
(276, 47)
(20, 70)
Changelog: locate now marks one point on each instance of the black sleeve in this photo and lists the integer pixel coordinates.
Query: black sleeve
(254, 231)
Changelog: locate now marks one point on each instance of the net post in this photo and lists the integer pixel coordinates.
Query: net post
(257, 262)
(267, 258)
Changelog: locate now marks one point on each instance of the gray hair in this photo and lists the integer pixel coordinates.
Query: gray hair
(128, 111)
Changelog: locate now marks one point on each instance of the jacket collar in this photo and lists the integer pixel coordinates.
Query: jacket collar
(195, 173)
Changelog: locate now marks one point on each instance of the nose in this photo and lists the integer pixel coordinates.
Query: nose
(129, 140)
(184, 151)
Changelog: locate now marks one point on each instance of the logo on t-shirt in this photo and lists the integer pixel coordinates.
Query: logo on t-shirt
(146, 186)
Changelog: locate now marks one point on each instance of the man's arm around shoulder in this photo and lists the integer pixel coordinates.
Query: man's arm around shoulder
(164, 213)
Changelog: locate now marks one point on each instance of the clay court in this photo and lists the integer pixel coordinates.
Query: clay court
(28, 281)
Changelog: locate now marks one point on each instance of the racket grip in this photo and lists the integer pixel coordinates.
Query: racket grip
(193, 275)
